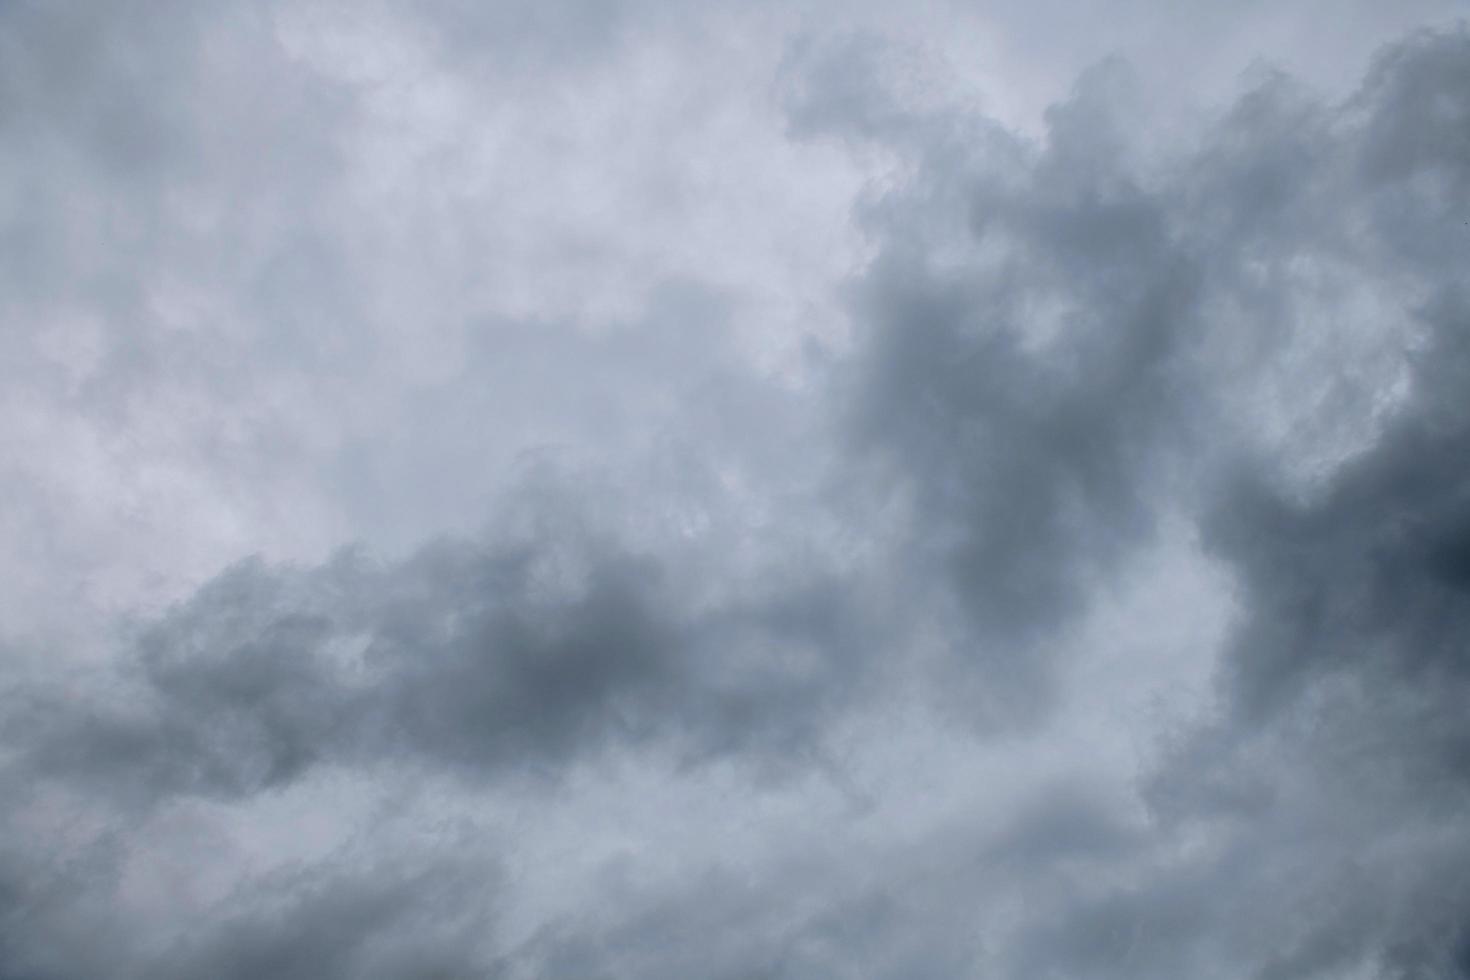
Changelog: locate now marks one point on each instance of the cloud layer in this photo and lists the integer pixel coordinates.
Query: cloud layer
(562, 490)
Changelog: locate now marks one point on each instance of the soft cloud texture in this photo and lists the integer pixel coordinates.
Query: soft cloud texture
(592, 490)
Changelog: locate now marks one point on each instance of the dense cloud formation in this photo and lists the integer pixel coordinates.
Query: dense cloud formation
(569, 491)
(473, 658)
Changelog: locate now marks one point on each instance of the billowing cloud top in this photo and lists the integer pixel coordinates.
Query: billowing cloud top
(609, 490)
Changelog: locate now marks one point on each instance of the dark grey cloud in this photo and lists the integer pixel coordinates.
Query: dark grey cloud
(476, 658)
(1316, 828)
(491, 664)
(1335, 777)
(1028, 326)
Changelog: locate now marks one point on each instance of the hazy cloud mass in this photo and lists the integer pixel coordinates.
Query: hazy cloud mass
(614, 490)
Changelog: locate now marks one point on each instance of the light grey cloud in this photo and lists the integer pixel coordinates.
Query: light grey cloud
(428, 921)
(803, 517)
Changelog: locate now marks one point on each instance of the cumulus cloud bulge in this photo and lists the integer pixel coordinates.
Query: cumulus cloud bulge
(606, 489)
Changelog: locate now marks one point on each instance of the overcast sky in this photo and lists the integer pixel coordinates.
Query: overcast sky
(610, 489)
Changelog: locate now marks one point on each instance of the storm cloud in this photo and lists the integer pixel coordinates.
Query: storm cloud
(591, 490)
